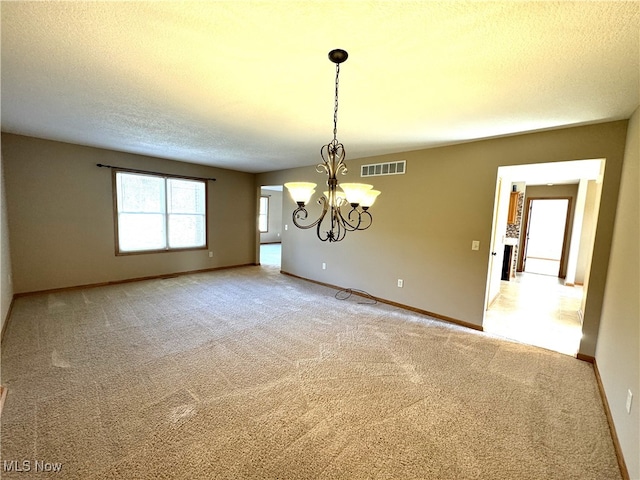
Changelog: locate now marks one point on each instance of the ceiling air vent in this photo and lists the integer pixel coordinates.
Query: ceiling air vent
(388, 168)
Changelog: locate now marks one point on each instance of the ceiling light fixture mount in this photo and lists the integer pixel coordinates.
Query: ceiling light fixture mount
(358, 196)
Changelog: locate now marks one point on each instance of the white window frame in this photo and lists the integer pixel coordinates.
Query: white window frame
(166, 214)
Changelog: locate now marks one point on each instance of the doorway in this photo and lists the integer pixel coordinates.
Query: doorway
(538, 310)
(542, 308)
(271, 255)
(269, 223)
(546, 228)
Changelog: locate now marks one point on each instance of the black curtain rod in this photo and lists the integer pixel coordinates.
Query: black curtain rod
(133, 170)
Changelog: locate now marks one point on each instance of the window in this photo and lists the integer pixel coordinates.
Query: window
(156, 213)
(263, 217)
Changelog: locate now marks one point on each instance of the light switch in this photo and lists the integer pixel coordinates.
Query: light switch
(475, 245)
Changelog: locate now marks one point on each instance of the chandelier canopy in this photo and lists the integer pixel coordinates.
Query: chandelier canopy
(354, 198)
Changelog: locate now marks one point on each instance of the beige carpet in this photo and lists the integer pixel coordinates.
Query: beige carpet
(247, 373)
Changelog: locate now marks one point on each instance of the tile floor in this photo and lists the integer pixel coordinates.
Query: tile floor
(270, 254)
(538, 310)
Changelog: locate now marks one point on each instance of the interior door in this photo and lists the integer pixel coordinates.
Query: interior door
(500, 213)
(545, 235)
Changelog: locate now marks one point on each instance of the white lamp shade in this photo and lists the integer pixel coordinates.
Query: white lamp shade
(369, 198)
(301, 191)
(355, 191)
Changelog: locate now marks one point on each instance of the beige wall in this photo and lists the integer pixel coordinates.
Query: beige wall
(60, 207)
(588, 232)
(618, 352)
(6, 287)
(424, 222)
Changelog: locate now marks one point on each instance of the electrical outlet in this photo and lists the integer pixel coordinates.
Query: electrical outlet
(629, 400)
(400, 283)
(286, 227)
(210, 254)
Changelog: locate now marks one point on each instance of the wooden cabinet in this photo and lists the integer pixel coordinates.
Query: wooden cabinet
(513, 208)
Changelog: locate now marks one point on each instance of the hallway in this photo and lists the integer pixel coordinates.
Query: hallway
(538, 310)
(270, 254)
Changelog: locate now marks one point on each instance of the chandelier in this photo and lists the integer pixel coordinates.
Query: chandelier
(348, 208)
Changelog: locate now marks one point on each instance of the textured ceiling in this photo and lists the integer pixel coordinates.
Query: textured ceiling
(247, 85)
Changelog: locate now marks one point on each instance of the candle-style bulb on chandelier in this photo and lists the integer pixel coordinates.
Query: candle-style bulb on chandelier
(348, 208)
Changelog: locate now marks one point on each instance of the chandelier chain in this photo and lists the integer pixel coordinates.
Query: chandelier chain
(335, 107)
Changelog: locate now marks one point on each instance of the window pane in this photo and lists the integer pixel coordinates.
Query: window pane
(264, 205)
(186, 196)
(141, 231)
(263, 217)
(159, 213)
(186, 231)
(262, 223)
(140, 193)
